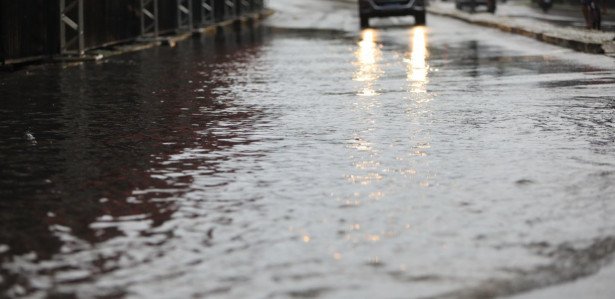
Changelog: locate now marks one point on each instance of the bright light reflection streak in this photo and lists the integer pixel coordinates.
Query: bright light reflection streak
(368, 56)
(367, 48)
(418, 108)
(417, 65)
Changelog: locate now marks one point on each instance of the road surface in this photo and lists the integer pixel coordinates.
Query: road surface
(308, 159)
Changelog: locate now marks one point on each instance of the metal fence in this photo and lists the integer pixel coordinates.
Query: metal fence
(35, 29)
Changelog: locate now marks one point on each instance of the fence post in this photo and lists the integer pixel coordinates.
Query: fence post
(66, 22)
(184, 15)
(245, 6)
(256, 5)
(149, 12)
(207, 12)
(2, 39)
(229, 9)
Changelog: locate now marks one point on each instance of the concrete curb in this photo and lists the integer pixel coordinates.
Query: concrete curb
(594, 47)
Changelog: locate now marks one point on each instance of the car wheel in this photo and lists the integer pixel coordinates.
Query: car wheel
(419, 18)
(364, 21)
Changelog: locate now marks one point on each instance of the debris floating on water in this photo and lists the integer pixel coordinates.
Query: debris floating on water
(30, 137)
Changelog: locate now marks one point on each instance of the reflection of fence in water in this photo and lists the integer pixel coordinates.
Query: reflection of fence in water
(34, 29)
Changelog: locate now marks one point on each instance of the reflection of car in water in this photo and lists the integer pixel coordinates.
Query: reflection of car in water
(389, 8)
(472, 4)
(592, 14)
(544, 4)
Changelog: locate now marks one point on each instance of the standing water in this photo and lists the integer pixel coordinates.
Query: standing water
(289, 163)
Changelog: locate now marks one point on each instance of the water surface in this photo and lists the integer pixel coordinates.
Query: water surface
(398, 162)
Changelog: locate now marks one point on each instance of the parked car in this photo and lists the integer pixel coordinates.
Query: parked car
(473, 4)
(389, 8)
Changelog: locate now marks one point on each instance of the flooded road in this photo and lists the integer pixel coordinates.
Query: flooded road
(396, 162)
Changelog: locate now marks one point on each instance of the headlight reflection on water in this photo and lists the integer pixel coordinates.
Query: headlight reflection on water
(368, 57)
(418, 68)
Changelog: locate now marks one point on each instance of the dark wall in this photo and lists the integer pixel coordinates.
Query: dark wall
(167, 15)
(110, 21)
(28, 28)
(2, 38)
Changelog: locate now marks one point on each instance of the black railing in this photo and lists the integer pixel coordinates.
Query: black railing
(37, 29)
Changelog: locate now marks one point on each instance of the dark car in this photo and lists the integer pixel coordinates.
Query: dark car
(389, 8)
(473, 4)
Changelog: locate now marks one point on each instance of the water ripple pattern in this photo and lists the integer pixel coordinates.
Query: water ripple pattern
(390, 164)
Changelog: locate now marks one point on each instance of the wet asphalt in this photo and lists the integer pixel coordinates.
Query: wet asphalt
(447, 161)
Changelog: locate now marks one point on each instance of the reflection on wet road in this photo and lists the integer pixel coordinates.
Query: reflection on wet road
(398, 162)
(417, 65)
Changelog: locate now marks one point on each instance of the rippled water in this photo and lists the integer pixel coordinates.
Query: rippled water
(401, 163)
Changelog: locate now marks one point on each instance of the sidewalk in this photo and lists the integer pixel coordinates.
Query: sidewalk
(521, 19)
